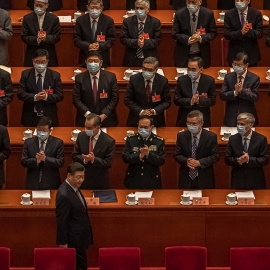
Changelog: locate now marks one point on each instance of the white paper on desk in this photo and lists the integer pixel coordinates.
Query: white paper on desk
(104, 130)
(154, 130)
(159, 71)
(35, 132)
(206, 129)
(64, 19)
(245, 194)
(44, 194)
(193, 193)
(145, 194)
(182, 69)
(232, 130)
(7, 69)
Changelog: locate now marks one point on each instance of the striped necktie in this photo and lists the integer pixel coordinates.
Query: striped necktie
(193, 172)
(139, 53)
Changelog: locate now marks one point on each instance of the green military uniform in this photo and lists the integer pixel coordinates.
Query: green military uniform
(145, 173)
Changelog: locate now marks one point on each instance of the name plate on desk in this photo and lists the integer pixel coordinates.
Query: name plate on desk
(41, 201)
(146, 201)
(245, 201)
(92, 201)
(200, 201)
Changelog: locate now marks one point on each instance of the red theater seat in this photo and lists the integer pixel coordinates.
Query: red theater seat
(4, 258)
(55, 258)
(250, 258)
(125, 258)
(186, 257)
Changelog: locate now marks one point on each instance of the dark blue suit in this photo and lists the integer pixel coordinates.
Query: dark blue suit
(245, 100)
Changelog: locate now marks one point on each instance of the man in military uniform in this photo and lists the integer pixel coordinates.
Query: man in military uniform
(144, 152)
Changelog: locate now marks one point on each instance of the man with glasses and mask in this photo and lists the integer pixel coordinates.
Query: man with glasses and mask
(144, 152)
(94, 31)
(43, 155)
(40, 89)
(247, 153)
(195, 91)
(148, 94)
(241, 90)
(243, 28)
(83, 5)
(194, 27)
(141, 35)
(40, 30)
(95, 150)
(96, 91)
(196, 152)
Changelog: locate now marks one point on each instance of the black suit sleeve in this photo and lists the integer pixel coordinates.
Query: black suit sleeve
(125, 37)
(111, 106)
(26, 160)
(57, 95)
(22, 92)
(152, 43)
(78, 40)
(8, 88)
(229, 32)
(177, 34)
(54, 36)
(257, 29)
(5, 145)
(110, 37)
(179, 99)
(230, 159)
(179, 156)
(212, 32)
(211, 96)
(213, 157)
(58, 160)
(263, 158)
(105, 162)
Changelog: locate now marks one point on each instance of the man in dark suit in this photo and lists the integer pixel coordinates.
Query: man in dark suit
(130, 4)
(177, 4)
(53, 5)
(95, 150)
(241, 90)
(94, 31)
(195, 91)
(196, 152)
(74, 228)
(144, 152)
(194, 27)
(141, 35)
(43, 155)
(6, 95)
(227, 4)
(96, 91)
(247, 153)
(5, 4)
(82, 4)
(40, 89)
(148, 94)
(243, 28)
(40, 30)
(5, 150)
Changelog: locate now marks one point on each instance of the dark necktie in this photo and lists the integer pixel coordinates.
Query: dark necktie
(139, 52)
(245, 145)
(95, 88)
(194, 17)
(80, 197)
(41, 148)
(94, 29)
(242, 18)
(38, 105)
(240, 79)
(193, 172)
(91, 146)
(148, 89)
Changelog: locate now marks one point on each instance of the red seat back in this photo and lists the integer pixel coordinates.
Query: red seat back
(4, 258)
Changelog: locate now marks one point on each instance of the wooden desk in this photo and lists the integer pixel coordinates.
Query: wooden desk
(169, 171)
(69, 57)
(217, 226)
(67, 113)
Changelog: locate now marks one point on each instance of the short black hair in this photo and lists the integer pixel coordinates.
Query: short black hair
(94, 53)
(146, 117)
(45, 121)
(198, 60)
(40, 53)
(75, 167)
(241, 56)
(97, 119)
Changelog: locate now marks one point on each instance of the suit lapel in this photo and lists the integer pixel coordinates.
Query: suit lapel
(48, 145)
(99, 143)
(36, 145)
(46, 22)
(155, 86)
(246, 81)
(100, 85)
(188, 140)
(147, 25)
(46, 83)
(189, 87)
(187, 19)
(141, 88)
(200, 84)
(252, 142)
(201, 142)
(75, 196)
(237, 19)
(35, 22)
(88, 84)
(134, 23)
(200, 22)
(100, 25)
(32, 80)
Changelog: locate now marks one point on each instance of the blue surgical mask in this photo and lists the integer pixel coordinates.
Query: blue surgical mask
(140, 13)
(192, 8)
(241, 130)
(93, 67)
(42, 135)
(89, 132)
(193, 75)
(193, 129)
(40, 67)
(147, 75)
(39, 11)
(144, 132)
(94, 13)
(238, 70)
(240, 5)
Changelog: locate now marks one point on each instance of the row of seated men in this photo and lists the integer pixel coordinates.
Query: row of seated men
(148, 93)
(144, 152)
(194, 27)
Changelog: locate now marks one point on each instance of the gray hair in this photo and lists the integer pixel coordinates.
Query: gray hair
(97, 119)
(151, 60)
(145, 3)
(197, 114)
(95, 2)
(249, 118)
(197, 59)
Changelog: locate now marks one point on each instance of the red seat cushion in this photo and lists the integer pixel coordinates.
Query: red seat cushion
(4, 258)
